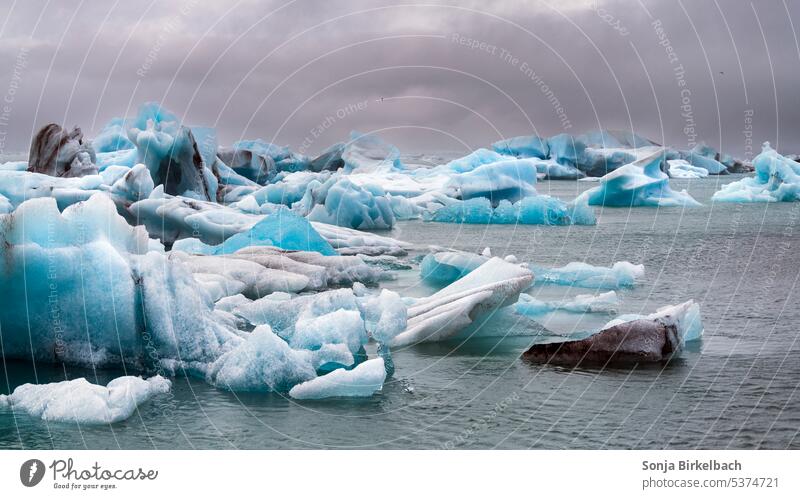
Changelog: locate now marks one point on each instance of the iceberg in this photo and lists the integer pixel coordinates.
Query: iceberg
(61, 268)
(285, 159)
(777, 178)
(602, 303)
(355, 242)
(443, 315)
(641, 183)
(78, 401)
(446, 267)
(281, 229)
(473, 160)
(249, 164)
(59, 153)
(527, 146)
(680, 168)
(705, 157)
(579, 274)
(362, 381)
(628, 340)
(510, 179)
(338, 201)
(263, 362)
(370, 154)
(113, 137)
(532, 210)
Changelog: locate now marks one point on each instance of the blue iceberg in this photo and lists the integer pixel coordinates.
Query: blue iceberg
(527, 146)
(533, 210)
(641, 183)
(583, 275)
(777, 178)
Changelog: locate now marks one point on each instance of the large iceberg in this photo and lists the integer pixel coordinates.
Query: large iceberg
(443, 315)
(641, 183)
(78, 401)
(98, 291)
(777, 178)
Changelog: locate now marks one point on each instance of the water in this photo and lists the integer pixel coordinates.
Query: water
(738, 389)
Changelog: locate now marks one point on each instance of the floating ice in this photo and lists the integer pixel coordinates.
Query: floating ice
(353, 242)
(777, 178)
(628, 339)
(533, 210)
(680, 168)
(473, 160)
(448, 266)
(582, 275)
(284, 159)
(249, 164)
(705, 157)
(510, 179)
(528, 146)
(62, 268)
(170, 218)
(362, 381)
(641, 183)
(261, 363)
(338, 201)
(113, 137)
(385, 315)
(444, 314)
(603, 303)
(59, 153)
(369, 154)
(78, 401)
(281, 229)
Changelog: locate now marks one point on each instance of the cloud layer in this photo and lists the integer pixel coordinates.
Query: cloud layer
(433, 76)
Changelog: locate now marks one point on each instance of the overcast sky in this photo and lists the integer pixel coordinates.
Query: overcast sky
(438, 75)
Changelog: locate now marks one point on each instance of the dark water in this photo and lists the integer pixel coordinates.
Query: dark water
(738, 389)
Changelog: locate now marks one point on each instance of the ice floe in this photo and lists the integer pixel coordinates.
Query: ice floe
(583, 275)
(78, 401)
(362, 381)
(604, 303)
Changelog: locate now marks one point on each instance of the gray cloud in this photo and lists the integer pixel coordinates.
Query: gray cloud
(278, 70)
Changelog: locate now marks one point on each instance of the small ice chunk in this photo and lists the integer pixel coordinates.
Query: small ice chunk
(364, 380)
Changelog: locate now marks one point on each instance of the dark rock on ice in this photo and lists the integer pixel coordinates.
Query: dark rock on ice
(642, 340)
(61, 153)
